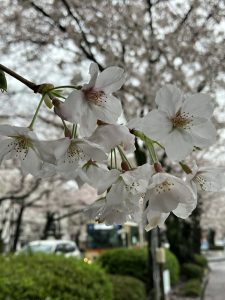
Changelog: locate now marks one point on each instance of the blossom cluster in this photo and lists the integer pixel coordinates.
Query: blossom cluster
(94, 143)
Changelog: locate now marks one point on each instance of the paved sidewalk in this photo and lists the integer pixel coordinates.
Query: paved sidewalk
(215, 289)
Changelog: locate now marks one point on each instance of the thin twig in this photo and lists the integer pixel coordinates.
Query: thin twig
(34, 87)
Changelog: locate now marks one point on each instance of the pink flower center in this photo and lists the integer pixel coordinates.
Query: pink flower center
(95, 97)
(181, 120)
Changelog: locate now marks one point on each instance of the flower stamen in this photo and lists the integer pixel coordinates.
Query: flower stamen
(95, 97)
(201, 181)
(74, 153)
(164, 186)
(21, 145)
(181, 120)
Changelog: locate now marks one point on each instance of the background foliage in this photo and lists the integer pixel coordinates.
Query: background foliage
(134, 262)
(51, 277)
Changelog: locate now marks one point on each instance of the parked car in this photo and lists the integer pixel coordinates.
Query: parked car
(68, 248)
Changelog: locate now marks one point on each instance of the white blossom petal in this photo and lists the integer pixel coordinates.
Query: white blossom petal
(136, 123)
(198, 105)
(88, 122)
(98, 177)
(95, 209)
(31, 163)
(210, 179)
(169, 99)
(120, 205)
(92, 150)
(6, 146)
(156, 125)
(155, 218)
(11, 131)
(110, 80)
(73, 108)
(178, 144)
(166, 192)
(203, 135)
(93, 71)
(137, 180)
(110, 111)
(21, 146)
(47, 170)
(50, 150)
(110, 136)
(60, 147)
(184, 210)
(73, 153)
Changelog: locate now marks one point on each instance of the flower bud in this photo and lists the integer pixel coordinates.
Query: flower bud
(56, 102)
(125, 166)
(48, 101)
(158, 167)
(45, 87)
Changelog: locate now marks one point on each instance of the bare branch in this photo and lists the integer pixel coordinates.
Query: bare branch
(21, 197)
(184, 20)
(89, 53)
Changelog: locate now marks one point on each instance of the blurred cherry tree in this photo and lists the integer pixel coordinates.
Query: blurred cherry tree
(155, 41)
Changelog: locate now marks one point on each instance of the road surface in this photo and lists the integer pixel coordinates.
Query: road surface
(215, 289)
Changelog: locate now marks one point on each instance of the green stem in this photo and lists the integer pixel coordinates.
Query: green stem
(157, 143)
(151, 149)
(123, 156)
(74, 130)
(149, 144)
(114, 150)
(36, 113)
(64, 87)
(111, 159)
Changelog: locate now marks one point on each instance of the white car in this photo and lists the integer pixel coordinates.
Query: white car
(68, 248)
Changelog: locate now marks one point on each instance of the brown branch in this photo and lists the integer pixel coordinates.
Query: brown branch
(34, 87)
(70, 214)
(13, 197)
(63, 29)
(41, 10)
(183, 21)
(30, 203)
(149, 4)
(89, 53)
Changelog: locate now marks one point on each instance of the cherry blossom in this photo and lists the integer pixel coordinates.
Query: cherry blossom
(110, 136)
(122, 202)
(94, 210)
(98, 176)
(120, 206)
(69, 155)
(73, 153)
(210, 179)
(20, 144)
(95, 100)
(180, 122)
(166, 194)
